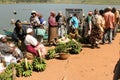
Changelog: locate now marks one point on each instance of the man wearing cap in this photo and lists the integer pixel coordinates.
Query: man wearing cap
(32, 45)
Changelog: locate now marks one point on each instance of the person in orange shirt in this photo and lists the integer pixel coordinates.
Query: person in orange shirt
(109, 25)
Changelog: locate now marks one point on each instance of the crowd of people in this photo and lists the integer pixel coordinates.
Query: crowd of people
(100, 26)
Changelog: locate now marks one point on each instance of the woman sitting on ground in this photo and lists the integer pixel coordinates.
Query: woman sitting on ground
(32, 45)
(7, 48)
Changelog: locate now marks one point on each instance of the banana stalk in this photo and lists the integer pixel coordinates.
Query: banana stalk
(26, 64)
(13, 73)
(40, 55)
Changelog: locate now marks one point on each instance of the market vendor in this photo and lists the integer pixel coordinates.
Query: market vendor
(32, 45)
(8, 48)
(19, 34)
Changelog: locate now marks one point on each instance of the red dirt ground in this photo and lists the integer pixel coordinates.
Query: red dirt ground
(90, 64)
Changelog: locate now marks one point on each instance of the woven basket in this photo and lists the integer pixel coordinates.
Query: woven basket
(29, 55)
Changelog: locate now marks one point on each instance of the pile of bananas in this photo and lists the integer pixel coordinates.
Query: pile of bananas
(50, 54)
(39, 64)
(27, 73)
(24, 69)
(7, 75)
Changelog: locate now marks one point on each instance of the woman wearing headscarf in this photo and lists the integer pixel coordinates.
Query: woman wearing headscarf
(97, 30)
(52, 29)
(32, 45)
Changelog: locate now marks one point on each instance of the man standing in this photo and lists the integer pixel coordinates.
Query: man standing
(109, 25)
(116, 13)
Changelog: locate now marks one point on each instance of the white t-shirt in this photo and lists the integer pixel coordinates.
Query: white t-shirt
(30, 40)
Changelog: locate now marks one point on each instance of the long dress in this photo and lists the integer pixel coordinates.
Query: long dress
(52, 30)
(97, 30)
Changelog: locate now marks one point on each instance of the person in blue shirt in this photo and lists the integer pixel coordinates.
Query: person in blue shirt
(75, 25)
(75, 21)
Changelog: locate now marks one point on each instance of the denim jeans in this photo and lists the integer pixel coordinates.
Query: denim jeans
(115, 31)
(108, 35)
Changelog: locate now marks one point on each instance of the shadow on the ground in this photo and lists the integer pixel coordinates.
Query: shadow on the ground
(86, 45)
(117, 71)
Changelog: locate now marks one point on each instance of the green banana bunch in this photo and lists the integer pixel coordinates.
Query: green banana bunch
(39, 64)
(27, 73)
(9, 67)
(24, 69)
(19, 70)
(7, 75)
(51, 54)
(40, 67)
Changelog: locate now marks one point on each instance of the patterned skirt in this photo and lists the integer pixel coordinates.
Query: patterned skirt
(96, 35)
(52, 33)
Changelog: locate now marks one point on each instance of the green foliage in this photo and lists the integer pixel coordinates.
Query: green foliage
(75, 48)
(70, 47)
(39, 64)
(61, 48)
(50, 54)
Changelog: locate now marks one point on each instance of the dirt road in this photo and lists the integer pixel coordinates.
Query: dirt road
(90, 64)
